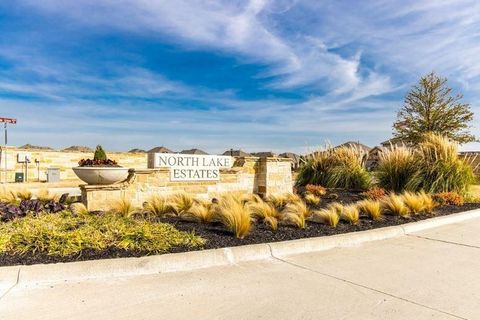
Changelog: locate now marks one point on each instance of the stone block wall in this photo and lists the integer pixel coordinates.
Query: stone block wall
(248, 175)
(62, 160)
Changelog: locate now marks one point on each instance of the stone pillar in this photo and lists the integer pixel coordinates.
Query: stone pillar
(274, 175)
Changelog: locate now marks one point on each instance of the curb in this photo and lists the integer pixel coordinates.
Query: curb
(174, 262)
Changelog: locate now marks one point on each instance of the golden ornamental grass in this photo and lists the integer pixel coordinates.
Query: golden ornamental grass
(371, 208)
(202, 212)
(296, 213)
(393, 204)
(158, 206)
(123, 207)
(414, 202)
(265, 212)
(312, 199)
(327, 216)
(350, 213)
(181, 202)
(24, 194)
(234, 215)
(79, 209)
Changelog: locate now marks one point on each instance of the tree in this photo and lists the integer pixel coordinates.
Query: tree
(431, 107)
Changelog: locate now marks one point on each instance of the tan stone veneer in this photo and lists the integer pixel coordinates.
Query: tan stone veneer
(249, 174)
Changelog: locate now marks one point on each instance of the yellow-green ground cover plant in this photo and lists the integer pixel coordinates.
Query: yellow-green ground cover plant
(67, 233)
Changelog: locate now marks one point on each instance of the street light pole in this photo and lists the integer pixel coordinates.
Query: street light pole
(6, 143)
(5, 122)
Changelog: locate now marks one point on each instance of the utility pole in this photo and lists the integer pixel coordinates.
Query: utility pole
(6, 121)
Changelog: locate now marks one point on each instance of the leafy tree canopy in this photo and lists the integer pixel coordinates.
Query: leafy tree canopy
(432, 107)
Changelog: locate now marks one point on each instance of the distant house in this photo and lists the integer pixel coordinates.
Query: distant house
(160, 150)
(78, 149)
(32, 147)
(374, 157)
(136, 150)
(264, 154)
(236, 153)
(194, 151)
(393, 142)
(355, 144)
(292, 156)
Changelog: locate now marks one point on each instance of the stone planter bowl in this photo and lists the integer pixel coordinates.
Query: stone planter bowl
(101, 175)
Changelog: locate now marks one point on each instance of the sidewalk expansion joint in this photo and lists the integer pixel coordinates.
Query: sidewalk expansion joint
(365, 287)
(444, 241)
(13, 286)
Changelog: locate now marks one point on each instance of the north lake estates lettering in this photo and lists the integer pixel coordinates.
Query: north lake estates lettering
(189, 167)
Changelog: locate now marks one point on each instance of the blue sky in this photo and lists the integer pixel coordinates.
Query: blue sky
(258, 75)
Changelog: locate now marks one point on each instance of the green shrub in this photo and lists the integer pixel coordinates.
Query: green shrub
(451, 197)
(316, 190)
(374, 193)
(99, 154)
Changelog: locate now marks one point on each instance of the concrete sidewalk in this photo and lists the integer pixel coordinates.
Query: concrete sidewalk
(426, 275)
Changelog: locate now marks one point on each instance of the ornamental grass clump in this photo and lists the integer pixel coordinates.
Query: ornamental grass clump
(79, 209)
(398, 169)
(349, 171)
(295, 213)
(429, 204)
(234, 215)
(341, 167)
(24, 194)
(279, 201)
(328, 216)
(442, 170)
(181, 202)
(202, 212)
(265, 212)
(158, 206)
(371, 208)
(123, 207)
(312, 199)
(350, 213)
(7, 196)
(45, 196)
(394, 205)
(316, 168)
(414, 202)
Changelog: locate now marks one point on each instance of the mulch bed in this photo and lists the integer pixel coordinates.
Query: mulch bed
(217, 237)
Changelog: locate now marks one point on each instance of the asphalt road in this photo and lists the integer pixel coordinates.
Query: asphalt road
(428, 275)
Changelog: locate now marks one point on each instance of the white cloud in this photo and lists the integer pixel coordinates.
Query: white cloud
(242, 28)
(355, 53)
